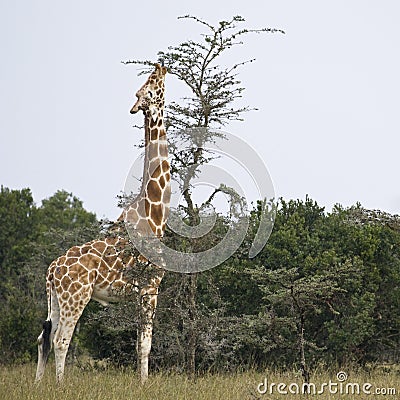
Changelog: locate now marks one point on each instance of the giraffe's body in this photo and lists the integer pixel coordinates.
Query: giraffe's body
(99, 269)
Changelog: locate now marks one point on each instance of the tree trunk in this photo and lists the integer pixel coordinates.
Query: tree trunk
(303, 365)
(192, 330)
(194, 220)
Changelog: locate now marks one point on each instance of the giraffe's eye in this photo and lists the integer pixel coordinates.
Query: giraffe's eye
(150, 93)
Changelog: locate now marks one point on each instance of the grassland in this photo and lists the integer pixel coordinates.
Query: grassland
(16, 383)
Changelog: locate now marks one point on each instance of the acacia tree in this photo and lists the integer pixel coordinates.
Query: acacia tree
(213, 90)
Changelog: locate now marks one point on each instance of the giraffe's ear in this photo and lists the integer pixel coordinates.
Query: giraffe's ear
(153, 112)
(164, 70)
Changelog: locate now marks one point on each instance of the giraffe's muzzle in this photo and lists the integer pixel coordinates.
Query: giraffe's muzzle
(135, 108)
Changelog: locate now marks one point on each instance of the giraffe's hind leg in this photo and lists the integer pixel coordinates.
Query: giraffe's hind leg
(70, 311)
(45, 339)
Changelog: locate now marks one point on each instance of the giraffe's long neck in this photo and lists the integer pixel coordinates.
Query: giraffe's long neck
(150, 209)
(156, 155)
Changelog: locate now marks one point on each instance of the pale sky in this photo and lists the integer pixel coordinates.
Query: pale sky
(327, 92)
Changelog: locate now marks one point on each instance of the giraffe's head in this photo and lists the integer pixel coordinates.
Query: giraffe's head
(150, 97)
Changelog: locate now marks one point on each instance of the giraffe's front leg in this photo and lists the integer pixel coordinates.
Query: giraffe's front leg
(145, 332)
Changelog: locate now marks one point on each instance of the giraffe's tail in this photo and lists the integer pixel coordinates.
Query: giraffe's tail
(46, 339)
(44, 347)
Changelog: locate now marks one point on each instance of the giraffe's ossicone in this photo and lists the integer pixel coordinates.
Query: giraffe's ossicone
(102, 269)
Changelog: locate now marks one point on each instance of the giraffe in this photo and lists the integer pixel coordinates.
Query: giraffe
(99, 269)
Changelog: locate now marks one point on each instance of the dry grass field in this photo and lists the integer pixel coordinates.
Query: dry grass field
(16, 383)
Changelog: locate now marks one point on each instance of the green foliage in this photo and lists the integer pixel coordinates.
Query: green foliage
(17, 216)
(324, 272)
(110, 333)
(63, 211)
(17, 221)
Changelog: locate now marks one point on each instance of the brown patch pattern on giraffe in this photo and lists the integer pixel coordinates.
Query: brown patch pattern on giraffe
(153, 191)
(154, 134)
